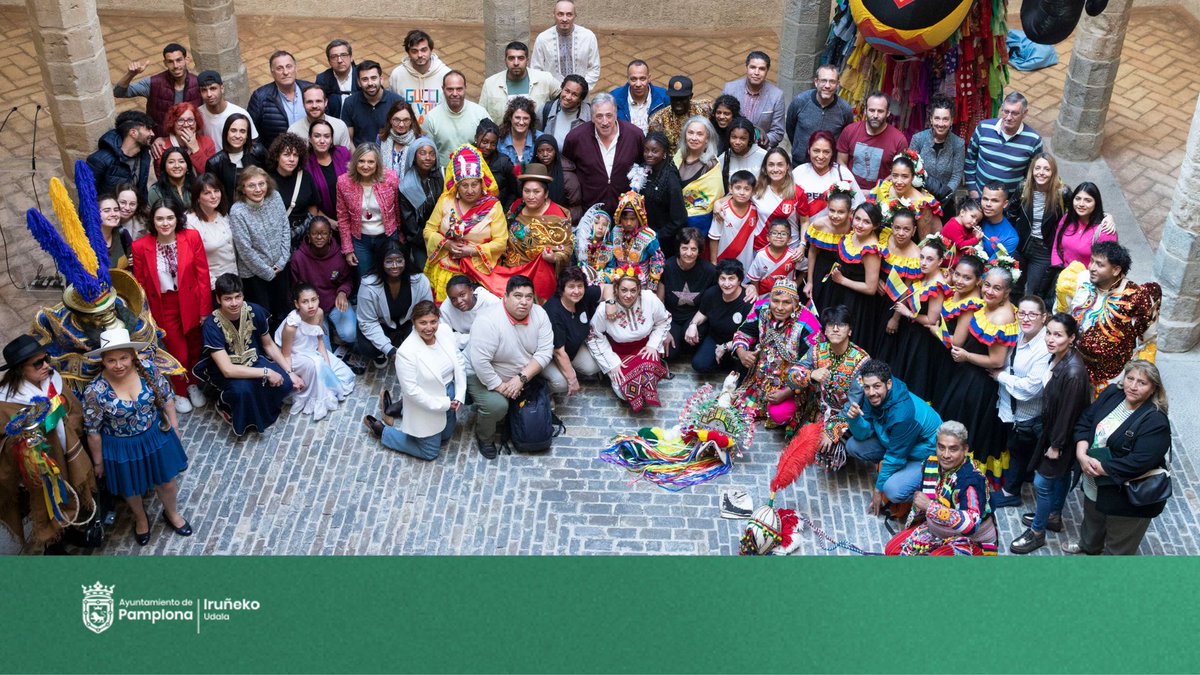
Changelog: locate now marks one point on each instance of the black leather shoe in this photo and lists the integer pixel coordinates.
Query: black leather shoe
(391, 408)
(142, 538)
(374, 425)
(1028, 542)
(1053, 523)
(184, 530)
(488, 450)
(385, 402)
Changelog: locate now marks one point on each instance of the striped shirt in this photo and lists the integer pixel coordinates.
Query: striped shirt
(993, 156)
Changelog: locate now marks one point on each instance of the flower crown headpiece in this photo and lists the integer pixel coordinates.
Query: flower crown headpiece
(919, 170)
(841, 187)
(1004, 261)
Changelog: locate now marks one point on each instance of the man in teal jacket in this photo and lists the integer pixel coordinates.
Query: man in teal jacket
(894, 426)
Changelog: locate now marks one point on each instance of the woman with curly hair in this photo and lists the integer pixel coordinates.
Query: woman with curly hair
(285, 164)
(725, 110)
(516, 131)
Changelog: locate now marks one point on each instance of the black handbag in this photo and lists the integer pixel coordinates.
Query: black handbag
(1152, 487)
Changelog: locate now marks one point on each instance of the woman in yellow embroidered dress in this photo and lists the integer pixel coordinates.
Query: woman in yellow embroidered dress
(467, 232)
(902, 190)
(981, 345)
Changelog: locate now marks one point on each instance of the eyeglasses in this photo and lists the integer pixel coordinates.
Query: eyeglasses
(185, 122)
(338, 57)
(1029, 315)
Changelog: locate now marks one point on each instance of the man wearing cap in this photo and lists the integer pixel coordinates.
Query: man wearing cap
(670, 120)
(603, 150)
(517, 79)
(567, 48)
(216, 109)
(173, 85)
(762, 102)
(639, 99)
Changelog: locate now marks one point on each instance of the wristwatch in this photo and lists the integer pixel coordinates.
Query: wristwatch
(524, 380)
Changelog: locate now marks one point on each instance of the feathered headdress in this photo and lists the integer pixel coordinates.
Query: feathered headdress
(768, 526)
(79, 251)
(637, 177)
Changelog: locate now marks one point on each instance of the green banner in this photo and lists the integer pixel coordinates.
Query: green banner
(732, 615)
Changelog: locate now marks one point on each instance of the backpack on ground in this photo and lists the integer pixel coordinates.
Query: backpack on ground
(532, 424)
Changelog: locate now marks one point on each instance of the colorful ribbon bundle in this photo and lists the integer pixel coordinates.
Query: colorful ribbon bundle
(671, 463)
(30, 427)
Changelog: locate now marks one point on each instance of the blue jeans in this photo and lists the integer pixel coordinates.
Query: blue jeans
(365, 248)
(705, 359)
(345, 324)
(422, 448)
(1051, 494)
(901, 485)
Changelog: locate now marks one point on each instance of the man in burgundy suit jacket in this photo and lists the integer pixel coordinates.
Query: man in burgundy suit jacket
(596, 146)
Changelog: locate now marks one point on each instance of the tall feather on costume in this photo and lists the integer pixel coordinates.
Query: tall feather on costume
(768, 526)
(95, 297)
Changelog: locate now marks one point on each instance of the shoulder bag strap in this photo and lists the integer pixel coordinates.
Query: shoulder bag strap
(295, 191)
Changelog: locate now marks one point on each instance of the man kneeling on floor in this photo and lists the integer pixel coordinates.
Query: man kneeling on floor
(894, 427)
(953, 514)
(511, 342)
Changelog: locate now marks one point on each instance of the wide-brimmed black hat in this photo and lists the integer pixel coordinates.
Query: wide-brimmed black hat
(20, 350)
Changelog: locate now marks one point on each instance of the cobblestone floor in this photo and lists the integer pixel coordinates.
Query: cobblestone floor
(329, 488)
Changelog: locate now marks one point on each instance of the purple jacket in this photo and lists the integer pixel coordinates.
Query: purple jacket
(329, 274)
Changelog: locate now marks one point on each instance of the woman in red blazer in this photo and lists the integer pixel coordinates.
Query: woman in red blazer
(172, 268)
(366, 218)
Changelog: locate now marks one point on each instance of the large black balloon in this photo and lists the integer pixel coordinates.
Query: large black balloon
(1049, 22)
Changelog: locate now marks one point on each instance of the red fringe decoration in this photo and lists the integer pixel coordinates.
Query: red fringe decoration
(788, 521)
(797, 457)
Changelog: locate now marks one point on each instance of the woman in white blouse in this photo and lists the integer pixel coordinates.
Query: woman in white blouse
(626, 340)
(433, 386)
(209, 217)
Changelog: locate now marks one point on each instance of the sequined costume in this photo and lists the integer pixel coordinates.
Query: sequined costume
(1111, 325)
(959, 518)
(528, 238)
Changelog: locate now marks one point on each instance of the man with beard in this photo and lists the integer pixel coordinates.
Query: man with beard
(418, 78)
(173, 85)
(819, 109)
(517, 79)
(867, 147)
(365, 112)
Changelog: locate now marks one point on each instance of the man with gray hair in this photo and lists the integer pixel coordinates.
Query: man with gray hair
(603, 150)
(1001, 148)
(951, 504)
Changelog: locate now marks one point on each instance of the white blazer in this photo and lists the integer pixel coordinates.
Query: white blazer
(421, 387)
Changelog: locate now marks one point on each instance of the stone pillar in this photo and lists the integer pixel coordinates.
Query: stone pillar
(70, 51)
(503, 22)
(1177, 263)
(802, 37)
(1079, 131)
(213, 32)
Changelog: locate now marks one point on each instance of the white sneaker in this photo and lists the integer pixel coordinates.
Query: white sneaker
(182, 405)
(196, 396)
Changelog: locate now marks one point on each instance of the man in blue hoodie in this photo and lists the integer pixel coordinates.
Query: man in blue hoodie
(895, 426)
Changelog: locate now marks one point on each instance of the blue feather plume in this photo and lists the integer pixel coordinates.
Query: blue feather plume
(68, 263)
(89, 215)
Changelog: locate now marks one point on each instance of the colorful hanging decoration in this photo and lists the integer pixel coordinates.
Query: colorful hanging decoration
(969, 65)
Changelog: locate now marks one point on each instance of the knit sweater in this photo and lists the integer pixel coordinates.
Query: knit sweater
(499, 349)
(261, 236)
(944, 166)
(991, 157)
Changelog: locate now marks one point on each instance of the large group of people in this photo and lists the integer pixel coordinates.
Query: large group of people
(899, 292)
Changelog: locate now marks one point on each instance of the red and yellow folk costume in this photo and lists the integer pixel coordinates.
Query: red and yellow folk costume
(482, 226)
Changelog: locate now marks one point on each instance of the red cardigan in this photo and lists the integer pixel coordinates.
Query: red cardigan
(195, 299)
(349, 206)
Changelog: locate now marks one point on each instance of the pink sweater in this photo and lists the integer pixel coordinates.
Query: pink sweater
(1077, 244)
